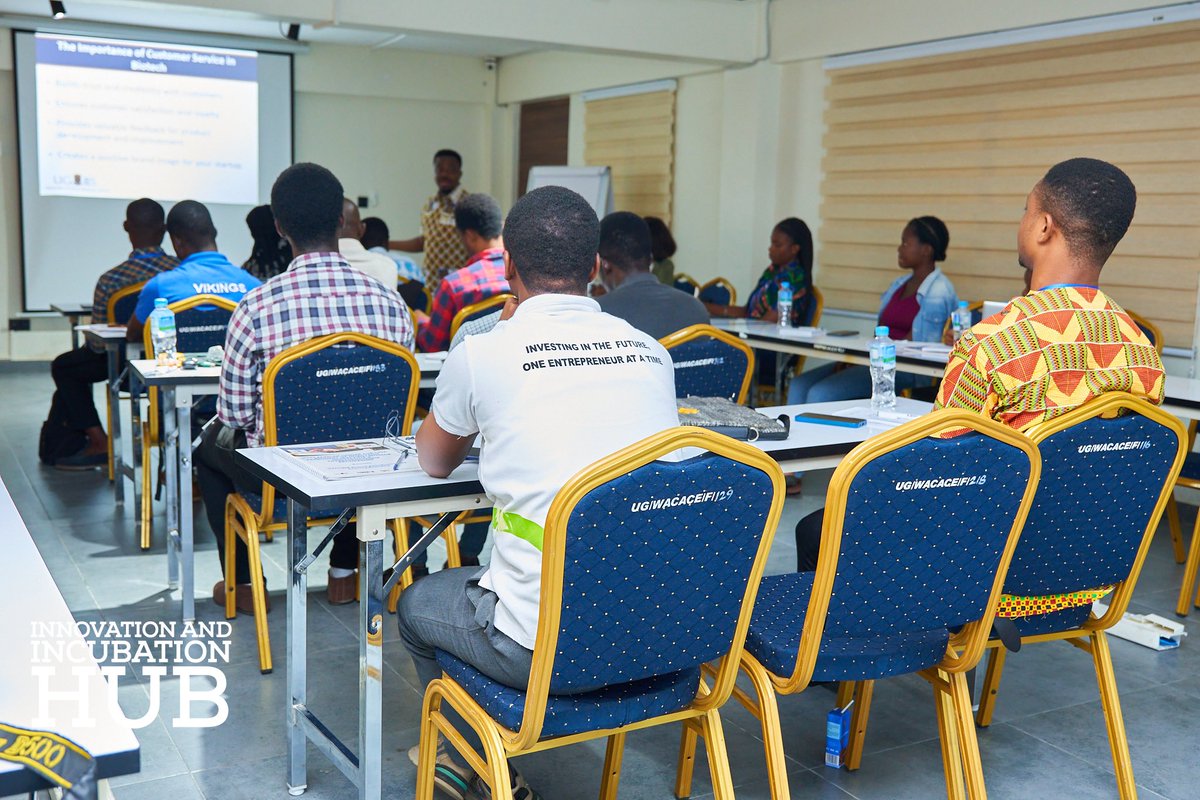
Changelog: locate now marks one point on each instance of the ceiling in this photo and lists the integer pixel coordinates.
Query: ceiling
(151, 15)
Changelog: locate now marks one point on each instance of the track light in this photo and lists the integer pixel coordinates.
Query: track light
(293, 31)
(57, 9)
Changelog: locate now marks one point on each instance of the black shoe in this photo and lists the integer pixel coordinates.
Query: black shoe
(82, 461)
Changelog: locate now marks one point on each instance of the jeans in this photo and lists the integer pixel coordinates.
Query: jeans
(827, 383)
(450, 611)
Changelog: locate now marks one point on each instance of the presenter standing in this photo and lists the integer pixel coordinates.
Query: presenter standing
(440, 240)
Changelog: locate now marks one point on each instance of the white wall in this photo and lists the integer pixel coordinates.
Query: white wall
(374, 117)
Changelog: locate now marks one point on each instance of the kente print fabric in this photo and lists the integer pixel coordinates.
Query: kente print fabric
(1047, 353)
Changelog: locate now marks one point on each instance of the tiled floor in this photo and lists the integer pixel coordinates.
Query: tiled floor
(1048, 739)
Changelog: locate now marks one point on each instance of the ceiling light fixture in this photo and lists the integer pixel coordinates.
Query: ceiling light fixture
(57, 9)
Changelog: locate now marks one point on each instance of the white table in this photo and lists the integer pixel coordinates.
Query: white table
(73, 311)
(1182, 394)
(408, 494)
(179, 389)
(36, 600)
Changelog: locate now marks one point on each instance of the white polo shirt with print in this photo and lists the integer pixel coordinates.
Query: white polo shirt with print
(551, 390)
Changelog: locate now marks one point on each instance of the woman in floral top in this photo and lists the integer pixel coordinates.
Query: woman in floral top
(791, 254)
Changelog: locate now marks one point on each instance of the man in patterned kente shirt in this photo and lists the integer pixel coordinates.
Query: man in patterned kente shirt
(443, 246)
(1065, 341)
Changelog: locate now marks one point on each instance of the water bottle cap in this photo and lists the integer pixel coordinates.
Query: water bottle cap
(160, 302)
(963, 304)
(881, 330)
(785, 285)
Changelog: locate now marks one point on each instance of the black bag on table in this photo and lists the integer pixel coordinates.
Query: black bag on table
(57, 439)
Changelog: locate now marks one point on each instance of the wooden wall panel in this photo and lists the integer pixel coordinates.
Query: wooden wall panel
(543, 137)
(635, 135)
(965, 136)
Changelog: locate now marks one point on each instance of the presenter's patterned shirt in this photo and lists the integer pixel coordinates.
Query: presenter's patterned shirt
(319, 294)
(142, 265)
(444, 248)
(1047, 353)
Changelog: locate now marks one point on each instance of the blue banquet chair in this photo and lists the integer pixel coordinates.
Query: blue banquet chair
(710, 363)
(918, 532)
(649, 570)
(719, 291)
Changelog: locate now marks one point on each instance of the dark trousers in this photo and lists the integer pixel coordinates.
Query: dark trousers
(808, 541)
(219, 476)
(74, 373)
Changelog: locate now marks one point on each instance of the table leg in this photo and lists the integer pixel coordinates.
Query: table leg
(73, 320)
(170, 434)
(371, 529)
(297, 646)
(113, 352)
(135, 439)
(183, 508)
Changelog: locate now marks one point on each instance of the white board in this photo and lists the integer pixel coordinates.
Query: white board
(594, 184)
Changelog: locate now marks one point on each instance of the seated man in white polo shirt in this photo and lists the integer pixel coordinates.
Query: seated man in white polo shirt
(542, 397)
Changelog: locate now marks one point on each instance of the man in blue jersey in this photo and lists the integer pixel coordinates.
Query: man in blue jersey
(201, 270)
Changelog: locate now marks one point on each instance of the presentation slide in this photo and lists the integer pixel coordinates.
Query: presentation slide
(124, 119)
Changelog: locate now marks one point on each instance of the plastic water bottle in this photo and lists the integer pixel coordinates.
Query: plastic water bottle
(960, 319)
(784, 305)
(883, 371)
(162, 332)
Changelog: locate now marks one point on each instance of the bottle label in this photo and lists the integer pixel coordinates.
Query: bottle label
(887, 354)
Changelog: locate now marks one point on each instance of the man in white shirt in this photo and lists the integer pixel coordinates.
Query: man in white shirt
(379, 267)
(540, 389)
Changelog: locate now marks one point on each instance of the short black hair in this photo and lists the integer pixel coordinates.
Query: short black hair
(190, 222)
(1092, 202)
(797, 230)
(933, 232)
(375, 233)
(446, 153)
(551, 235)
(307, 203)
(479, 213)
(662, 243)
(145, 213)
(625, 241)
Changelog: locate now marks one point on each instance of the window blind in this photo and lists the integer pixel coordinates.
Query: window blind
(635, 136)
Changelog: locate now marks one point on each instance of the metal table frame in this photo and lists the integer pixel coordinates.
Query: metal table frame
(380, 498)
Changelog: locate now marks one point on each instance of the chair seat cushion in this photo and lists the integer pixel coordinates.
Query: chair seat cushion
(1065, 620)
(279, 512)
(611, 707)
(778, 622)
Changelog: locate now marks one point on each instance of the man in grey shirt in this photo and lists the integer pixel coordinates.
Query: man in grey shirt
(634, 294)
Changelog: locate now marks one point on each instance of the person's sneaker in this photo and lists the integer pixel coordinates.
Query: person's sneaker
(82, 461)
(449, 777)
(341, 590)
(521, 790)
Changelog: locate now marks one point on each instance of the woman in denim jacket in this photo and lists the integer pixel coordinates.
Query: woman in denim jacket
(914, 307)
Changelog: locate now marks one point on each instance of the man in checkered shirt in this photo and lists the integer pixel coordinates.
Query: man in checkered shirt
(319, 294)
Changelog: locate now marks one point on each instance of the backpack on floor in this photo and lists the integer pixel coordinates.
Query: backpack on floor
(58, 439)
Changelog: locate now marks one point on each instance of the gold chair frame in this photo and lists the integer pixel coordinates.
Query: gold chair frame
(960, 748)
(693, 332)
(467, 312)
(683, 276)
(151, 436)
(700, 719)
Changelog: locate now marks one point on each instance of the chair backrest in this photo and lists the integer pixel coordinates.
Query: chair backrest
(476, 310)
(816, 306)
(918, 533)
(336, 387)
(719, 291)
(651, 567)
(710, 363)
(1152, 331)
(122, 302)
(686, 283)
(1105, 482)
(200, 323)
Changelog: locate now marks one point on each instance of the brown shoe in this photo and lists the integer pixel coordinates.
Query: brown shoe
(245, 598)
(341, 590)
